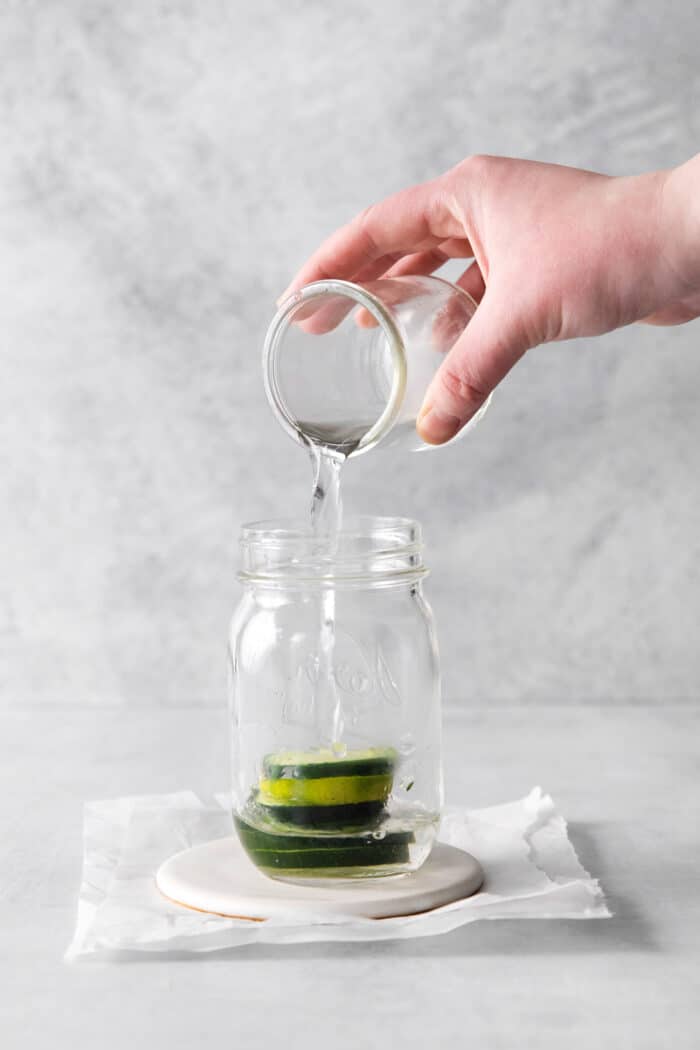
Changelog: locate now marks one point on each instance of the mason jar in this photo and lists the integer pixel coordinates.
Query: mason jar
(335, 702)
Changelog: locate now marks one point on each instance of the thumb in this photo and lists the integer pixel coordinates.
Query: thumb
(493, 341)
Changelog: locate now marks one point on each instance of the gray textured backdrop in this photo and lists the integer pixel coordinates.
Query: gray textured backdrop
(164, 167)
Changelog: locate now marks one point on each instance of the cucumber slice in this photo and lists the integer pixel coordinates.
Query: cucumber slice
(312, 765)
(325, 791)
(360, 815)
(302, 860)
(263, 839)
(272, 851)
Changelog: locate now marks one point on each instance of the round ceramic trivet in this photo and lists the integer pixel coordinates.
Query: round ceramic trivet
(218, 877)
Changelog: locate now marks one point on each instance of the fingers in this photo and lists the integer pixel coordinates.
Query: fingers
(457, 248)
(418, 264)
(414, 220)
(493, 341)
(322, 317)
(319, 318)
(472, 281)
(423, 264)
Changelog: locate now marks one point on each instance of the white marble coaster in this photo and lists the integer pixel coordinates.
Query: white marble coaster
(217, 877)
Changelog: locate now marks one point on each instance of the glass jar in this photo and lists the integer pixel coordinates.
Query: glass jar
(335, 702)
(347, 365)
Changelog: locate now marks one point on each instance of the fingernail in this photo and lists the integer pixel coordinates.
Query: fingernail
(435, 427)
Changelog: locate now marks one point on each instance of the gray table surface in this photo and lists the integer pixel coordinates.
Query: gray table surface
(627, 778)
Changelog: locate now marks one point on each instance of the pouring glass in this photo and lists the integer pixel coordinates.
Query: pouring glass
(347, 365)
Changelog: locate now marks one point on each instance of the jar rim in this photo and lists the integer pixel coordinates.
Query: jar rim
(366, 548)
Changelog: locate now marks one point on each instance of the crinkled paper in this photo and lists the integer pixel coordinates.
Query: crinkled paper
(532, 872)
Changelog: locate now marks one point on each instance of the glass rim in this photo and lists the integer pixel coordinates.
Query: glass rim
(285, 317)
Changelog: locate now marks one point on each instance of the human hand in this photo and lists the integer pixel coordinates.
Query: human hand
(558, 253)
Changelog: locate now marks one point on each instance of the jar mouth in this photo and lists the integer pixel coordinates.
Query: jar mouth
(365, 548)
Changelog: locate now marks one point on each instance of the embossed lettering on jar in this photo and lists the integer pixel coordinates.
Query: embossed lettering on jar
(336, 759)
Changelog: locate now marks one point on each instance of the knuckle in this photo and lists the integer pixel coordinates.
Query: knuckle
(478, 165)
(364, 222)
(460, 388)
(365, 215)
(439, 208)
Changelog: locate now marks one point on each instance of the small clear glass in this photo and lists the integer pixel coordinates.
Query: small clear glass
(336, 755)
(347, 365)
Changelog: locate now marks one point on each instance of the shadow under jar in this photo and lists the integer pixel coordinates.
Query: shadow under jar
(335, 702)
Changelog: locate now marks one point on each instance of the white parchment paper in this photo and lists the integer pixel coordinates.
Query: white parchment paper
(532, 872)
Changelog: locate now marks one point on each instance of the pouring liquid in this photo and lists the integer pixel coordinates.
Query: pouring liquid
(326, 522)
